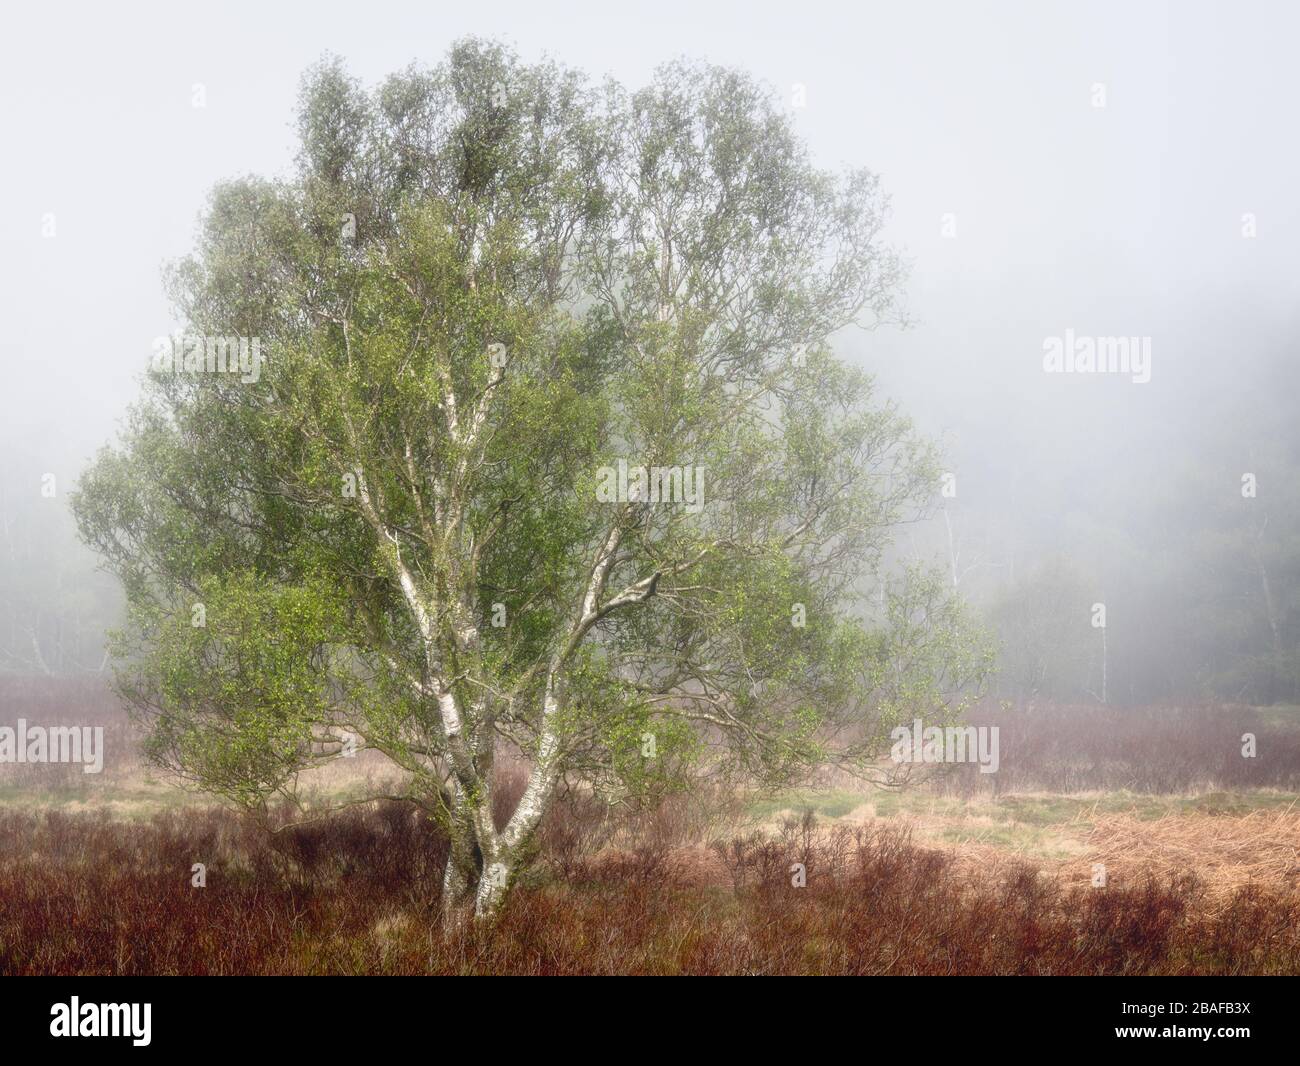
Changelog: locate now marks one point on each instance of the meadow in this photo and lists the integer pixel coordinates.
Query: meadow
(961, 874)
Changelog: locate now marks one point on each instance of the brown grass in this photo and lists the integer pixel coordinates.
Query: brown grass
(1083, 747)
(690, 886)
(1227, 854)
(359, 894)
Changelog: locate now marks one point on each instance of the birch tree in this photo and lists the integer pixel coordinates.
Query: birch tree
(547, 452)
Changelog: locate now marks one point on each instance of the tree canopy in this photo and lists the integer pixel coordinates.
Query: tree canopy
(547, 448)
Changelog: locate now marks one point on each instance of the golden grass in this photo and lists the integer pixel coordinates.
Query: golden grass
(1224, 852)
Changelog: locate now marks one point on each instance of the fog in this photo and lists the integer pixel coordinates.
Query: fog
(1112, 170)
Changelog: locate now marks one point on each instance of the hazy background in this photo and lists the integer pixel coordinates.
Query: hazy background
(1123, 220)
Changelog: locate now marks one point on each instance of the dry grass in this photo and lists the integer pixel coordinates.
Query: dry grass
(359, 894)
(1227, 841)
(1073, 748)
(945, 879)
(1227, 853)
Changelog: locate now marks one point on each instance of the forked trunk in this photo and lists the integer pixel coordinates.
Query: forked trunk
(459, 887)
(491, 893)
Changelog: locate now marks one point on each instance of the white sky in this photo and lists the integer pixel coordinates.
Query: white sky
(1123, 220)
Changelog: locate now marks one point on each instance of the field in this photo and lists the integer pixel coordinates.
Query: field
(962, 874)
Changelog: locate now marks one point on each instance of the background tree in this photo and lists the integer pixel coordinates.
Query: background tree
(1048, 648)
(487, 282)
(54, 607)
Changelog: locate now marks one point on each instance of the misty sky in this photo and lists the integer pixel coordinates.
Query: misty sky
(1122, 220)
